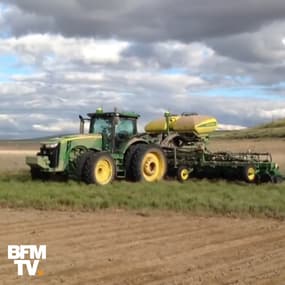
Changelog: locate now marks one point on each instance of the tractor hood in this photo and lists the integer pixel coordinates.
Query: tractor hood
(88, 140)
(57, 153)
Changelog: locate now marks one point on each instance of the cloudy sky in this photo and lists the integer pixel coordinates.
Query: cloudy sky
(59, 59)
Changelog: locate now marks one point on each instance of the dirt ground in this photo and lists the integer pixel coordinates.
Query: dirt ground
(119, 247)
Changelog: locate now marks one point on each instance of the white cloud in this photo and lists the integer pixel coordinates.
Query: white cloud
(38, 117)
(193, 54)
(102, 51)
(57, 127)
(16, 88)
(154, 81)
(8, 118)
(228, 127)
(39, 77)
(264, 46)
(273, 114)
(84, 76)
(167, 55)
(1, 17)
(51, 49)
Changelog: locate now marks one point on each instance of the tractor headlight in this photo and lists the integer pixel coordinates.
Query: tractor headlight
(276, 166)
(52, 145)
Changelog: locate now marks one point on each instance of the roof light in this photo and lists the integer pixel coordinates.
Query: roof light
(99, 110)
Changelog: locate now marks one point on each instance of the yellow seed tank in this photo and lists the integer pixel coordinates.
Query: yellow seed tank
(198, 124)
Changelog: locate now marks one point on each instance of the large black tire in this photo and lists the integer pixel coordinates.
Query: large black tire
(265, 178)
(148, 163)
(80, 161)
(128, 159)
(99, 168)
(37, 174)
(249, 173)
(278, 179)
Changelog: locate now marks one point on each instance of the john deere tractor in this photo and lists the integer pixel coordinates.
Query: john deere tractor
(112, 149)
(174, 143)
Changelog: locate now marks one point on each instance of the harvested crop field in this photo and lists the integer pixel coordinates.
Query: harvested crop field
(120, 247)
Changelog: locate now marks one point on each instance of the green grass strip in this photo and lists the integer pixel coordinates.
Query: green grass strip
(197, 196)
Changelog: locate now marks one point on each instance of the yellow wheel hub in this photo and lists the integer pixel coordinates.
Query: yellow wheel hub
(251, 173)
(184, 174)
(103, 171)
(153, 166)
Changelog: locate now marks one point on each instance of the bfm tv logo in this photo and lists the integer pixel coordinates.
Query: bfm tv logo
(19, 253)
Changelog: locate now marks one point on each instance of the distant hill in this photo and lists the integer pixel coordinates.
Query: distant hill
(275, 129)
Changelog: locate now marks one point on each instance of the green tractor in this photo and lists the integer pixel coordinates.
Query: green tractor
(173, 144)
(112, 149)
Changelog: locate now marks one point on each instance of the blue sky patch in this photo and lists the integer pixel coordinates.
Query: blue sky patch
(9, 65)
(174, 71)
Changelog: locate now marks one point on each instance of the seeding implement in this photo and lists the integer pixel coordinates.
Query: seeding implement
(174, 145)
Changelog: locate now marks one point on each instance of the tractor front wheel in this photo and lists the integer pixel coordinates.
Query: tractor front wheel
(37, 174)
(80, 162)
(148, 163)
(99, 168)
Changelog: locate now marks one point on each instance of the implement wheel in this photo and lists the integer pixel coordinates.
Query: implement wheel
(183, 174)
(99, 168)
(249, 173)
(148, 163)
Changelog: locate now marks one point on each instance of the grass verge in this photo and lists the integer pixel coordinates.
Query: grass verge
(197, 196)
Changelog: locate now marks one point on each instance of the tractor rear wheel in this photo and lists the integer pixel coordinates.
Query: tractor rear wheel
(128, 161)
(99, 168)
(183, 174)
(249, 173)
(148, 163)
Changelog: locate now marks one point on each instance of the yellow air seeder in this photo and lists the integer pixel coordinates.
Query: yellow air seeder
(200, 125)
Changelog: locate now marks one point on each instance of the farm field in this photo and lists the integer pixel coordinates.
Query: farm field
(125, 247)
(137, 244)
(275, 146)
(12, 154)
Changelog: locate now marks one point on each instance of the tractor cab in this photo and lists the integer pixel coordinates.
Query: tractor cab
(115, 127)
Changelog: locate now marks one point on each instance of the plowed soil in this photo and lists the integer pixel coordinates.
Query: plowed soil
(119, 247)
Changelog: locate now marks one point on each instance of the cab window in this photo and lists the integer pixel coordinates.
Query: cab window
(101, 125)
(126, 126)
